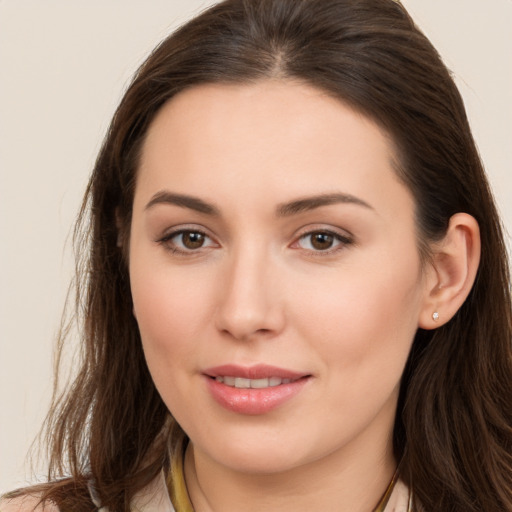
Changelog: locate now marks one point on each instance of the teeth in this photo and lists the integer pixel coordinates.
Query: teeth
(241, 383)
(260, 383)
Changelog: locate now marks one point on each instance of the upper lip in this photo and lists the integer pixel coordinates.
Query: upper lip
(258, 371)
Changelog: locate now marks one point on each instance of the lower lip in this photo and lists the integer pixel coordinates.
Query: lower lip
(254, 401)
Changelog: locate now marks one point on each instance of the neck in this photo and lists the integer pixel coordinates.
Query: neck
(341, 482)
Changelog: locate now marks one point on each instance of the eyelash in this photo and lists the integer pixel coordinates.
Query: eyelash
(343, 241)
(166, 241)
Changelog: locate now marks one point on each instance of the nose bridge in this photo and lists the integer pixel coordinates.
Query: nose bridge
(249, 302)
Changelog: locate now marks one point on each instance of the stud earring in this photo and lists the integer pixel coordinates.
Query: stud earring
(435, 316)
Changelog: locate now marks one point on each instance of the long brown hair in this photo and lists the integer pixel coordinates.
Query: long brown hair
(453, 428)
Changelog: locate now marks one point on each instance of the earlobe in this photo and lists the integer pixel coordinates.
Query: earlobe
(453, 271)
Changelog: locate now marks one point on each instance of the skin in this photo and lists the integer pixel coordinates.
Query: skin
(259, 291)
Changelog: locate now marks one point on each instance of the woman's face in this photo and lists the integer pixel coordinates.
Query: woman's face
(275, 274)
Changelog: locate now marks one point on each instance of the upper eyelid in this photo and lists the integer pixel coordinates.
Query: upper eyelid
(176, 230)
(314, 228)
(341, 238)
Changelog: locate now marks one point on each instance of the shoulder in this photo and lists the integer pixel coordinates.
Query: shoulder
(26, 503)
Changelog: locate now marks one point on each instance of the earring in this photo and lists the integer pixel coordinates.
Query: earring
(435, 316)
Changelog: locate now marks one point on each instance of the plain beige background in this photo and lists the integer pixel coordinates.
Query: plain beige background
(63, 67)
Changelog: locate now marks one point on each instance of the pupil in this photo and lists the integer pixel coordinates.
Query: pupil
(322, 241)
(193, 240)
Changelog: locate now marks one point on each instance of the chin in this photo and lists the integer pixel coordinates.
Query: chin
(261, 462)
(263, 454)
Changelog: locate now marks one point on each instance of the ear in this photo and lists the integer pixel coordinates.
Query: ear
(452, 271)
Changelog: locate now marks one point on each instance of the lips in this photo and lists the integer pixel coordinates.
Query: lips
(253, 390)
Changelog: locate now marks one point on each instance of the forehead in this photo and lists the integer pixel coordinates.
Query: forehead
(214, 113)
(267, 139)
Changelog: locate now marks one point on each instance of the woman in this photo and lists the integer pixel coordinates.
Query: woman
(297, 293)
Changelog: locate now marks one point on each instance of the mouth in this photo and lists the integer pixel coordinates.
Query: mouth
(254, 390)
(242, 383)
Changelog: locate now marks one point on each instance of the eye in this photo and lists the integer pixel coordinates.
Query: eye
(322, 241)
(187, 240)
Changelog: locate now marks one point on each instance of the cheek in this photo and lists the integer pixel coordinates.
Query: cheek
(167, 310)
(365, 320)
(361, 330)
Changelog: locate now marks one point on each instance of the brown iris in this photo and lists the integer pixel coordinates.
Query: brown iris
(192, 239)
(322, 241)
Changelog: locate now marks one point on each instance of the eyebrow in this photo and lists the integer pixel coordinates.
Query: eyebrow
(283, 210)
(310, 203)
(185, 201)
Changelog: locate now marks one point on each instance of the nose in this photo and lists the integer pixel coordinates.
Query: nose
(251, 299)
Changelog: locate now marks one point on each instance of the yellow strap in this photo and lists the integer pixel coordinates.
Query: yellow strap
(177, 487)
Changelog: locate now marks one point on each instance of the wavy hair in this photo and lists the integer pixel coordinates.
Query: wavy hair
(453, 427)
